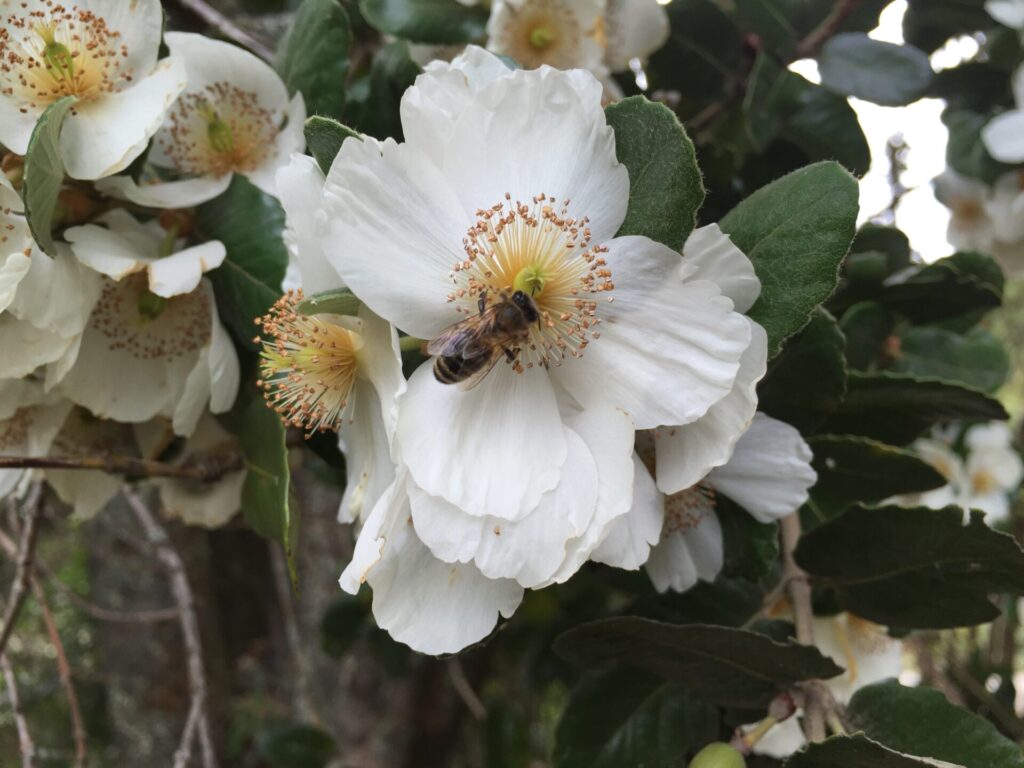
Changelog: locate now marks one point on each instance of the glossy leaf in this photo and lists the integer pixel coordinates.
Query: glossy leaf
(44, 172)
(438, 22)
(313, 56)
(854, 64)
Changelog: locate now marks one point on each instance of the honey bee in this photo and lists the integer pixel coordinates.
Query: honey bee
(466, 351)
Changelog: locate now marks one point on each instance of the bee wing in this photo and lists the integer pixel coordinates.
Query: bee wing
(476, 378)
(466, 338)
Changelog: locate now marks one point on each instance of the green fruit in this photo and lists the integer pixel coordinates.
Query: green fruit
(718, 754)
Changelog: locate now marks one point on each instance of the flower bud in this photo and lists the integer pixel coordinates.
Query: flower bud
(718, 754)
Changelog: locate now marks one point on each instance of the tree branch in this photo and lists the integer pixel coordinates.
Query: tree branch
(218, 21)
(25, 744)
(811, 45)
(23, 571)
(208, 470)
(182, 592)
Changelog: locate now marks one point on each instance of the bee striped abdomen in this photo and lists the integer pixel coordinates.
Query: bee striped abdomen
(453, 369)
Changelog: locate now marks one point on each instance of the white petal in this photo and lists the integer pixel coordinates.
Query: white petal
(181, 272)
(368, 466)
(139, 24)
(668, 349)
(687, 453)
(529, 550)
(56, 295)
(165, 194)
(300, 185)
(393, 215)
(862, 648)
(682, 558)
(782, 740)
(629, 541)
(209, 505)
(770, 471)
(110, 250)
(12, 271)
(223, 362)
(1004, 136)
(23, 347)
(16, 126)
(540, 131)
(86, 491)
(290, 140)
(380, 362)
(195, 396)
(1007, 12)
(635, 29)
(716, 259)
(502, 447)
(103, 136)
(994, 434)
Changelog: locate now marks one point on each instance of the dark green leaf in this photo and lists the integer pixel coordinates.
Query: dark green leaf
(930, 23)
(976, 86)
(665, 188)
(44, 172)
(976, 359)
(751, 548)
(916, 568)
(339, 302)
(948, 288)
(722, 665)
(313, 57)
(296, 746)
(439, 22)
(796, 232)
(770, 99)
(866, 326)
(250, 223)
(768, 20)
(620, 717)
(807, 381)
(728, 601)
(324, 138)
(825, 127)
(923, 722)
(896, 408)
(373, 101)
(854, 64)
(856, 751)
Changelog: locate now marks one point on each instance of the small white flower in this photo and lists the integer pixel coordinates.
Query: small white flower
(567, 34)
(1004, 135)
(102, 52)
(970, 225)
(634, 29)
(233, 117)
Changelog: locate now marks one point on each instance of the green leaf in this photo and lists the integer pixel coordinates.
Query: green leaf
(914, 568)
(296, 746)
(721, 665)
(438, 22)
(976, 359)
(807, 381)
(313, 57)
(250, 223)
(767, 19)
(751, 548)
(930, 23)
(373, 101)
(324, 138)
(618, 717)
(825, 127)
(963, 283)
(44, 172)
(866, 325)
(796, 232)
(896, 408)
(965, 151)
(665, 187)
(339, 302)
(854, 64)
(923, 722)
(265, 503)
(771, 97)
(854, 469)
(856, 751)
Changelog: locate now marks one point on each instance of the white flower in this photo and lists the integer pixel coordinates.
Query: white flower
(234, 117)
(634, 29)
(29, 420)
(970, 225)
(1007, 12)
(44, 302)
(329, 371)
(1005, 208)
(1004, 135)
(102, 52)
(867, 653)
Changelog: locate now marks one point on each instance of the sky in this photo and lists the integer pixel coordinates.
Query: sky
(920, 215)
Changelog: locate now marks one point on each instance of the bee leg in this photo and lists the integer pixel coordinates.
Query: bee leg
(509, 354)
(482, 301)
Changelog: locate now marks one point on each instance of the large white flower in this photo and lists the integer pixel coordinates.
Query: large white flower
(233, 117)
(44, 302)
(1004, 134)
(103, 53)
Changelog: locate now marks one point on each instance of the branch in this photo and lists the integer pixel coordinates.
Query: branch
(25, 743)
(817, 37)
(218, 21)
(462, 687)
(23, 571)
(182, 592)
(208, 470)
(799, 590)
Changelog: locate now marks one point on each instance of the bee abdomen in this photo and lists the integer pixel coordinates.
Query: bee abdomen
(455, 368)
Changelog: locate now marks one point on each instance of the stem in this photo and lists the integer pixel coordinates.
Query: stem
(26, 551)
(465, 691)
(207, 471)
(751, 738)
(25, 744)
(817, 37)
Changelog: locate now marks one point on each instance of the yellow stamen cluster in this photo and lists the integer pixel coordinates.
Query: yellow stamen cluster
(540, 249)
(221, 130)
(308, 366)
(59, 51)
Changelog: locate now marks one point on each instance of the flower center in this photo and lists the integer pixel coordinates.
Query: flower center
(983, 482)
(56, 52)
(968, 210)
(541, 37)
(685, 510)
(308, 366)
(149, 327)
(539, 32)
(542, 251)
(220, 130)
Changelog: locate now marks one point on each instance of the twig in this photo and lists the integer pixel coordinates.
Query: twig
(25, 743)
(64, 670)
(209, 470)
(465, 690)
(182, 592)
(799, 590)
(817, 37)
(217, 20)
(188, 735)
(1006, 717)
(23, 571)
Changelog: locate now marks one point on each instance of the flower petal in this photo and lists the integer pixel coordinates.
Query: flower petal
(503, 446)
(687, 453)
(300, 185)
(139, 24)
(770, 471)
(668, 349)
(682, 558)
(716, 259)
(380, 362)
(636, 29)
(630, 538)
(366, 445)
(1004, 136)
(181, 272)
(169, 195)
(290, 140)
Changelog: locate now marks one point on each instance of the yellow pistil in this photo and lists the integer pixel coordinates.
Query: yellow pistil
(541, 37)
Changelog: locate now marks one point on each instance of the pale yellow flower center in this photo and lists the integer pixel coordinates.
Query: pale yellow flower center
(540, 32)
(983, 482)
(538, 249)
(60, 51)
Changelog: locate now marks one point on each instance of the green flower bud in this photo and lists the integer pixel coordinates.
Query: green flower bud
(718, 754)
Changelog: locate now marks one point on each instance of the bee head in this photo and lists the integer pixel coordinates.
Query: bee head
(526, 305)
